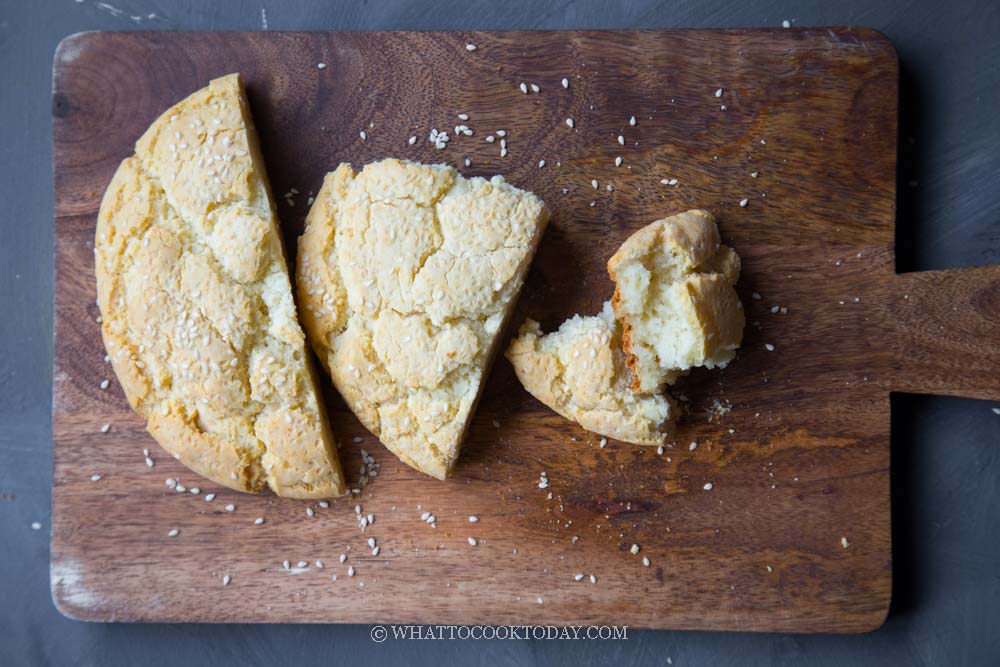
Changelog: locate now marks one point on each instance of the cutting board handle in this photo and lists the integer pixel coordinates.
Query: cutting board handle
(947, 332)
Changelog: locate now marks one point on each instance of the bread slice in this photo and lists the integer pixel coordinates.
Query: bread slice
(675, 299)
(580, 372)
(197, 309)
(406, 275)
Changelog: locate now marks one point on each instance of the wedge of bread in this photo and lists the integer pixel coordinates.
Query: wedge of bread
(406, 275)
(675, 299)
(197, 309)
(580, 372)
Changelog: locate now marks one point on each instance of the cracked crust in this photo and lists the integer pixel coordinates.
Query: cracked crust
(196, 304)
(580, 372)
(675, 299)
(406, 276)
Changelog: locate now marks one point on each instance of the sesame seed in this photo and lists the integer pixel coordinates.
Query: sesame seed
(718, 93)
(565, 83)
(754, 174)
(105, 384)
(343, 557)
(618, 161)
(768, 347)
(195, 490)
(569, 121)
(578, 577)
(540, 600)
(769, 568)
(173, 532)
(363, 135)
(501, 133)
(226, 579)
(468, 162)
(287, 565)
(645, 561)
(302, 563)
(259, 520)
(755, 296)
(659, 450)
(310, 511)
(180, 488)
(535, 88)
(319, 564)
(631, 121)
(634, 549)
(693, 446)
(472, 541)
(786, 24)
(149, 462)
(708, 486)
(470, 47)
(593, 579)
(463, 116)
(350, 571)
(376, 550)
(524, 87)
(594, 183)
(95, 478)
(321, 65)
(425, 516)
(541, 163)
(621, 140)
(744, 202)
(844, 543)
(490, 139)
(324, 504)
(35, 525)
(230, 508)
(603, 443)
(210, 497)
(105, 428)
(412, 140)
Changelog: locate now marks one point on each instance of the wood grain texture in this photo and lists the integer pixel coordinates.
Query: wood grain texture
(801, 461)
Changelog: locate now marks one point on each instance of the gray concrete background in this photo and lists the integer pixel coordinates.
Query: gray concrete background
(946, 459)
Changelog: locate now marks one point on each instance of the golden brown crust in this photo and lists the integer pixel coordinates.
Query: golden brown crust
(196, 303)
(406, 276)
(673, 278)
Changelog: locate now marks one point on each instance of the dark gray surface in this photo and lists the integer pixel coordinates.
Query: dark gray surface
(946, 461)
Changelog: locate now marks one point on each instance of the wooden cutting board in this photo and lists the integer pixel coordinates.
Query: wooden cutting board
(794, 533)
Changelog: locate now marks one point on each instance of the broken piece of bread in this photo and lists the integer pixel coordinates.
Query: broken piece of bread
(580, 372)
(675, 299)
(196, 304)
(406, 275)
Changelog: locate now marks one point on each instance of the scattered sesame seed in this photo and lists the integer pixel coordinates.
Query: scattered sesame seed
(473, 542)
(786, 24)
(708, 486)
(302, 563)
(631, 121)
(463, 116)
(259, 520)
(565, 83)
(618, 161)
(350, 571)
(210, 497)
(321, 65)
(473, 519)
(180, 488)
(578, 577)
(645, 561)
(569, 121)
(693, 446)
(718, 93)
(173, 532)
(501, 133)
(541, 163)
(659, 450)
(540, 600)
(744, 202)
(593, 579)
(844, 543)
(195, 490)
(105, 428)
(343, 557)
(412, 140)
(95, 478)
(594, 183)
(105, 384)
(621, 140)
(754, 174)
(603, 443)
(470, 47)
(755, 296)
(768, 347)
(230, 508)
(35, 525)
(634, 549)
(524, 87)
(226, 579)
(996, 411)
(149, 462)
(310, 511)
(535, 88)
(324, 504)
